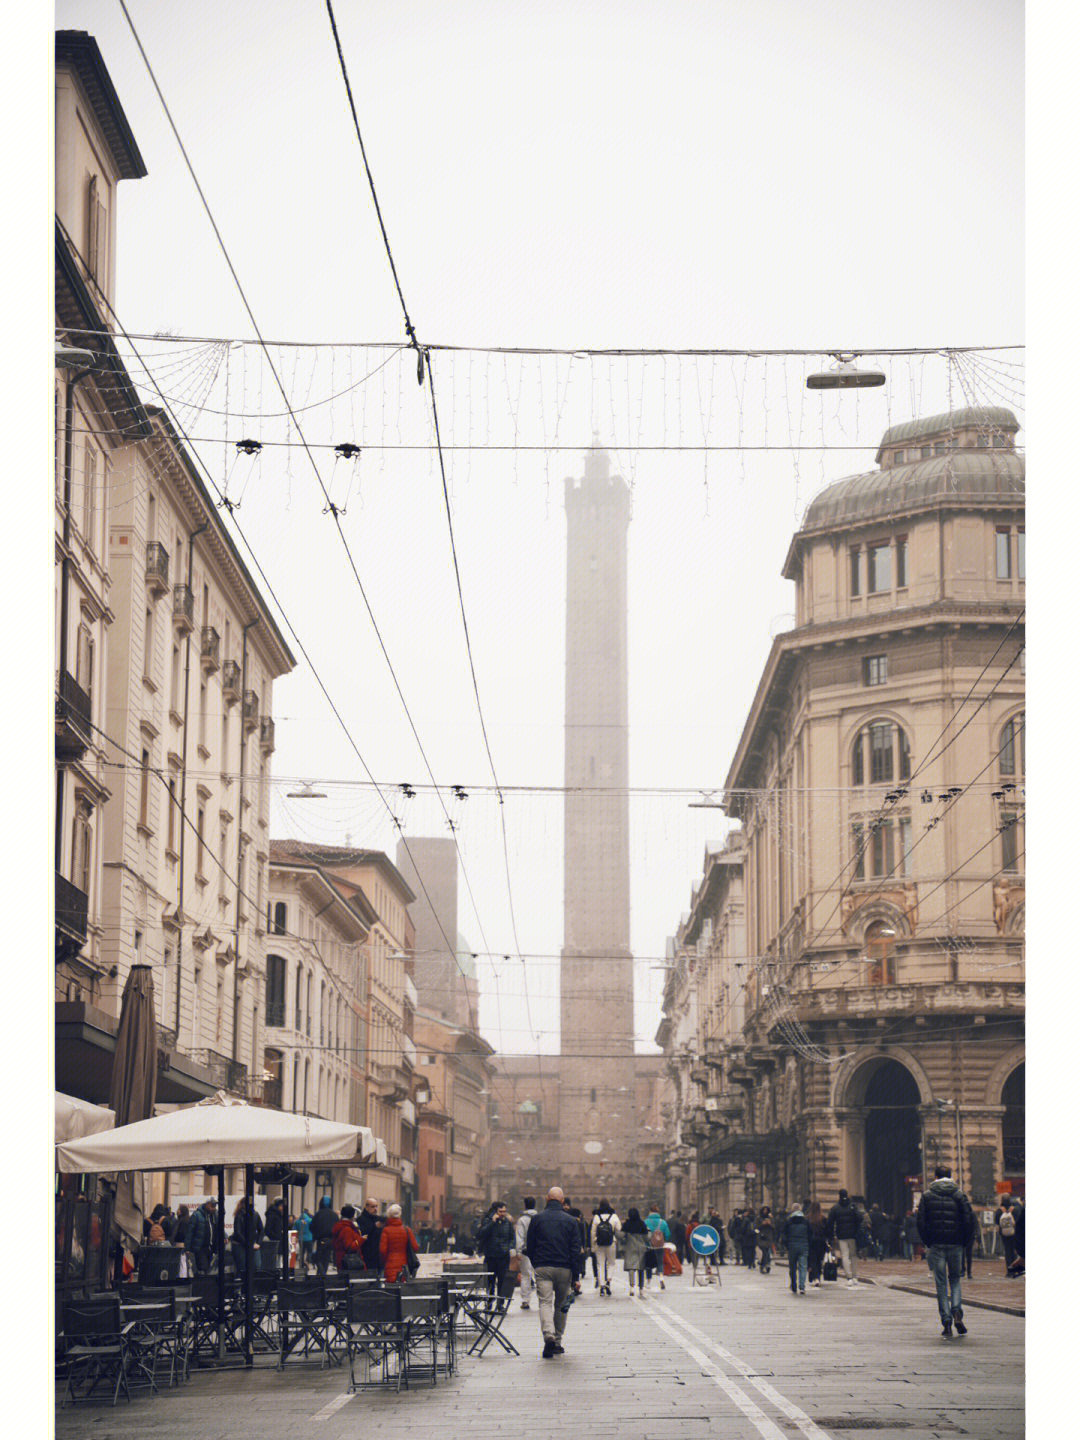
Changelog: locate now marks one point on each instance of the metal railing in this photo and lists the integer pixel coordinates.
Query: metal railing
(72, 908)
(183, 607)
(157, 566)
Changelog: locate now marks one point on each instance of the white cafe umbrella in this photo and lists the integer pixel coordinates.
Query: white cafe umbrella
(216, 1131)
(76, 1118)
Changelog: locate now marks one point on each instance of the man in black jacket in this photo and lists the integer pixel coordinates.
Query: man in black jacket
(842, 1227)
(495, 1239)
(553, 1244)
(322, 1227)
(946, 1223)
(795, 1235)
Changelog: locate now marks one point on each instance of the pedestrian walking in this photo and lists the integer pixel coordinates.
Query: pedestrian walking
(796, 1235)
(635, 1248)
(586, 1244)
(766, 1234)
(878, 1224)
(521, 1231)
(659, 1234)
(604, 1237)
(735, 1228)
(348, 1242)
(748, 1237)
(910, 1234)
(691, 1254)
(553, 1244)
(304, 1238)
(370, 1226)
(201, 1235)
(495, 1239)
(946, 1221)
(322, 1233)
(677, 1230)
(1005, 1220)
(819, 1242)
(245, 1220)
(398, 1249)
(718, 1225)
(842, 1227)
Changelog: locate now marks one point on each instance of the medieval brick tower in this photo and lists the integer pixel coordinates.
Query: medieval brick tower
(579, 1118)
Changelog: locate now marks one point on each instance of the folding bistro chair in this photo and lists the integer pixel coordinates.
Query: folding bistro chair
(487, 1313)
(377, 1332)
(95, 1346)
(304, 1315)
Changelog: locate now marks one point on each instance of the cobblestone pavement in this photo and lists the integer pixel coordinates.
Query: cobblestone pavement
(745, 1360)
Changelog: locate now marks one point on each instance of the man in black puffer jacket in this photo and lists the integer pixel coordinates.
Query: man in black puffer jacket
(946, 1224)
(842, 1227)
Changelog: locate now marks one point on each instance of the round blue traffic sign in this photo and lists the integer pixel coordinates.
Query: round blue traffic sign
(704, 1240)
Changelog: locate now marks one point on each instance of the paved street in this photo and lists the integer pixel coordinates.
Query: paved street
(747, 1361)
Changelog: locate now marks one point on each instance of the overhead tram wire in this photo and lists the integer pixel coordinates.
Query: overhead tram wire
(333, 510)
(424, 363)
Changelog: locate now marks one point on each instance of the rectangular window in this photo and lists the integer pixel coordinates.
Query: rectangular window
(144, 790)
(855, 570)
(881, 754)
(90, 493)
(1021, 564)
(170, 843)
(982, 442)
(925, 452)
(901, 561)
(881, 849)
(875, 669)
(905, 845)
(858, 854)
(148, 643)
(941, 448)
(1010, 842)
(1002, 555)
(879, 568)
(200, 821)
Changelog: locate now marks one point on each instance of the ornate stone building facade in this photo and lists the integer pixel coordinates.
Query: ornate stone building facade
(880, 785)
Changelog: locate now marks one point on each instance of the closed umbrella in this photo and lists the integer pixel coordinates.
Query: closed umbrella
(134, 1083)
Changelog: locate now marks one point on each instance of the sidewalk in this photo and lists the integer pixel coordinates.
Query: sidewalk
(988, 1288)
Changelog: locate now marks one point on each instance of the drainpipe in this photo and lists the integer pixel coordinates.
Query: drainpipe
(239, 846)
(183, 788)
(87, 359)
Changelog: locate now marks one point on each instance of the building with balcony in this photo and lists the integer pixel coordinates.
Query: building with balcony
(879, 781)
(314, 1020)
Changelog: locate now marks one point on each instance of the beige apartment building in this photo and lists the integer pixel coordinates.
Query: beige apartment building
(164, 820)
(880, 785)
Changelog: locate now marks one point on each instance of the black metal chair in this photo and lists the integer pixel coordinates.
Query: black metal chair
(445, 1317)
(377, 1331)
(159, 1264)
(487, 1313)
(152, 1336)
(305, 1315)
(96, 1346)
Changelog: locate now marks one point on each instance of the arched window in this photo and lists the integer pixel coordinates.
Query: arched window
(878, 941)
(298, 1009)
(275, 990)
(1011, 748)
(880, 755)
(281, 915)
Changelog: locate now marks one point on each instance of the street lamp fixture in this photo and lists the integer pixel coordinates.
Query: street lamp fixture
(844, 375)
(71, 357)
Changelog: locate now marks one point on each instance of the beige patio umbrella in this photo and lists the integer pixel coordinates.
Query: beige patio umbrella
(134, 1085)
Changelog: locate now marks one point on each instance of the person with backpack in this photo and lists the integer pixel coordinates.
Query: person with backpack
(946, 1221)
(606, 1228)
(1005, 1219)
(521, 1231)
(659, 1234)
(843, 1224)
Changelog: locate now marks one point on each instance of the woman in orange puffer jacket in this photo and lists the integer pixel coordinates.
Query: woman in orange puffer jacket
(395, 1242)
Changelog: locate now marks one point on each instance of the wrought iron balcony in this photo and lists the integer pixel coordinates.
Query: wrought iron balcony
(72, 909)
(266, 734)
(230, 681)
(73, 728)
(226, 1073)
(251, 709)
(183, 609)
(157, 568)
(210, 650)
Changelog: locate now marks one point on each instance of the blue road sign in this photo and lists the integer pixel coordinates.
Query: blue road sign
(704, 1240)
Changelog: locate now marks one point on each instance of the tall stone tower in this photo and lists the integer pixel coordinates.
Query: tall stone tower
(598, 1129)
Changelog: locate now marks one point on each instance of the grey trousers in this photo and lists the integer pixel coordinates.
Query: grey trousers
(553, 1285)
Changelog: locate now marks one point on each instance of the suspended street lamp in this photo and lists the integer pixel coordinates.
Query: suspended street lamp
(844, 375)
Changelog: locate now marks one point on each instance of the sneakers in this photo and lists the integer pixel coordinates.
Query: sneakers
(559, 1349)
(661, 1284)
(958, 1321)
(550, 1350)
(524, 1304)
(946, 1329)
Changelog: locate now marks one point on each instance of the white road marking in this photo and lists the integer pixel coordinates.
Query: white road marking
(785, 1406)
(334, 1406)
(753, 1412)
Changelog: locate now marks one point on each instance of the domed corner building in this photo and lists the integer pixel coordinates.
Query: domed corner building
(884, 860)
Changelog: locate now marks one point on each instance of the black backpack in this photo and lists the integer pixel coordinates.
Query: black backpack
(605, 1233)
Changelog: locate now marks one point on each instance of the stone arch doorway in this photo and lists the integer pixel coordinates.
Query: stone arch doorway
(886, 1096)
(1012, 1128)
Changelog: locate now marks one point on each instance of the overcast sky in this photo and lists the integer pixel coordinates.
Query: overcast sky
(767, 175)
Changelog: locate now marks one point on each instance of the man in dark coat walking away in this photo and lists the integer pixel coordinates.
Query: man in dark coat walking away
(842, 1227)
(946, 1223)
(795, 1233)
(322, 1229)
(553, 1244)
